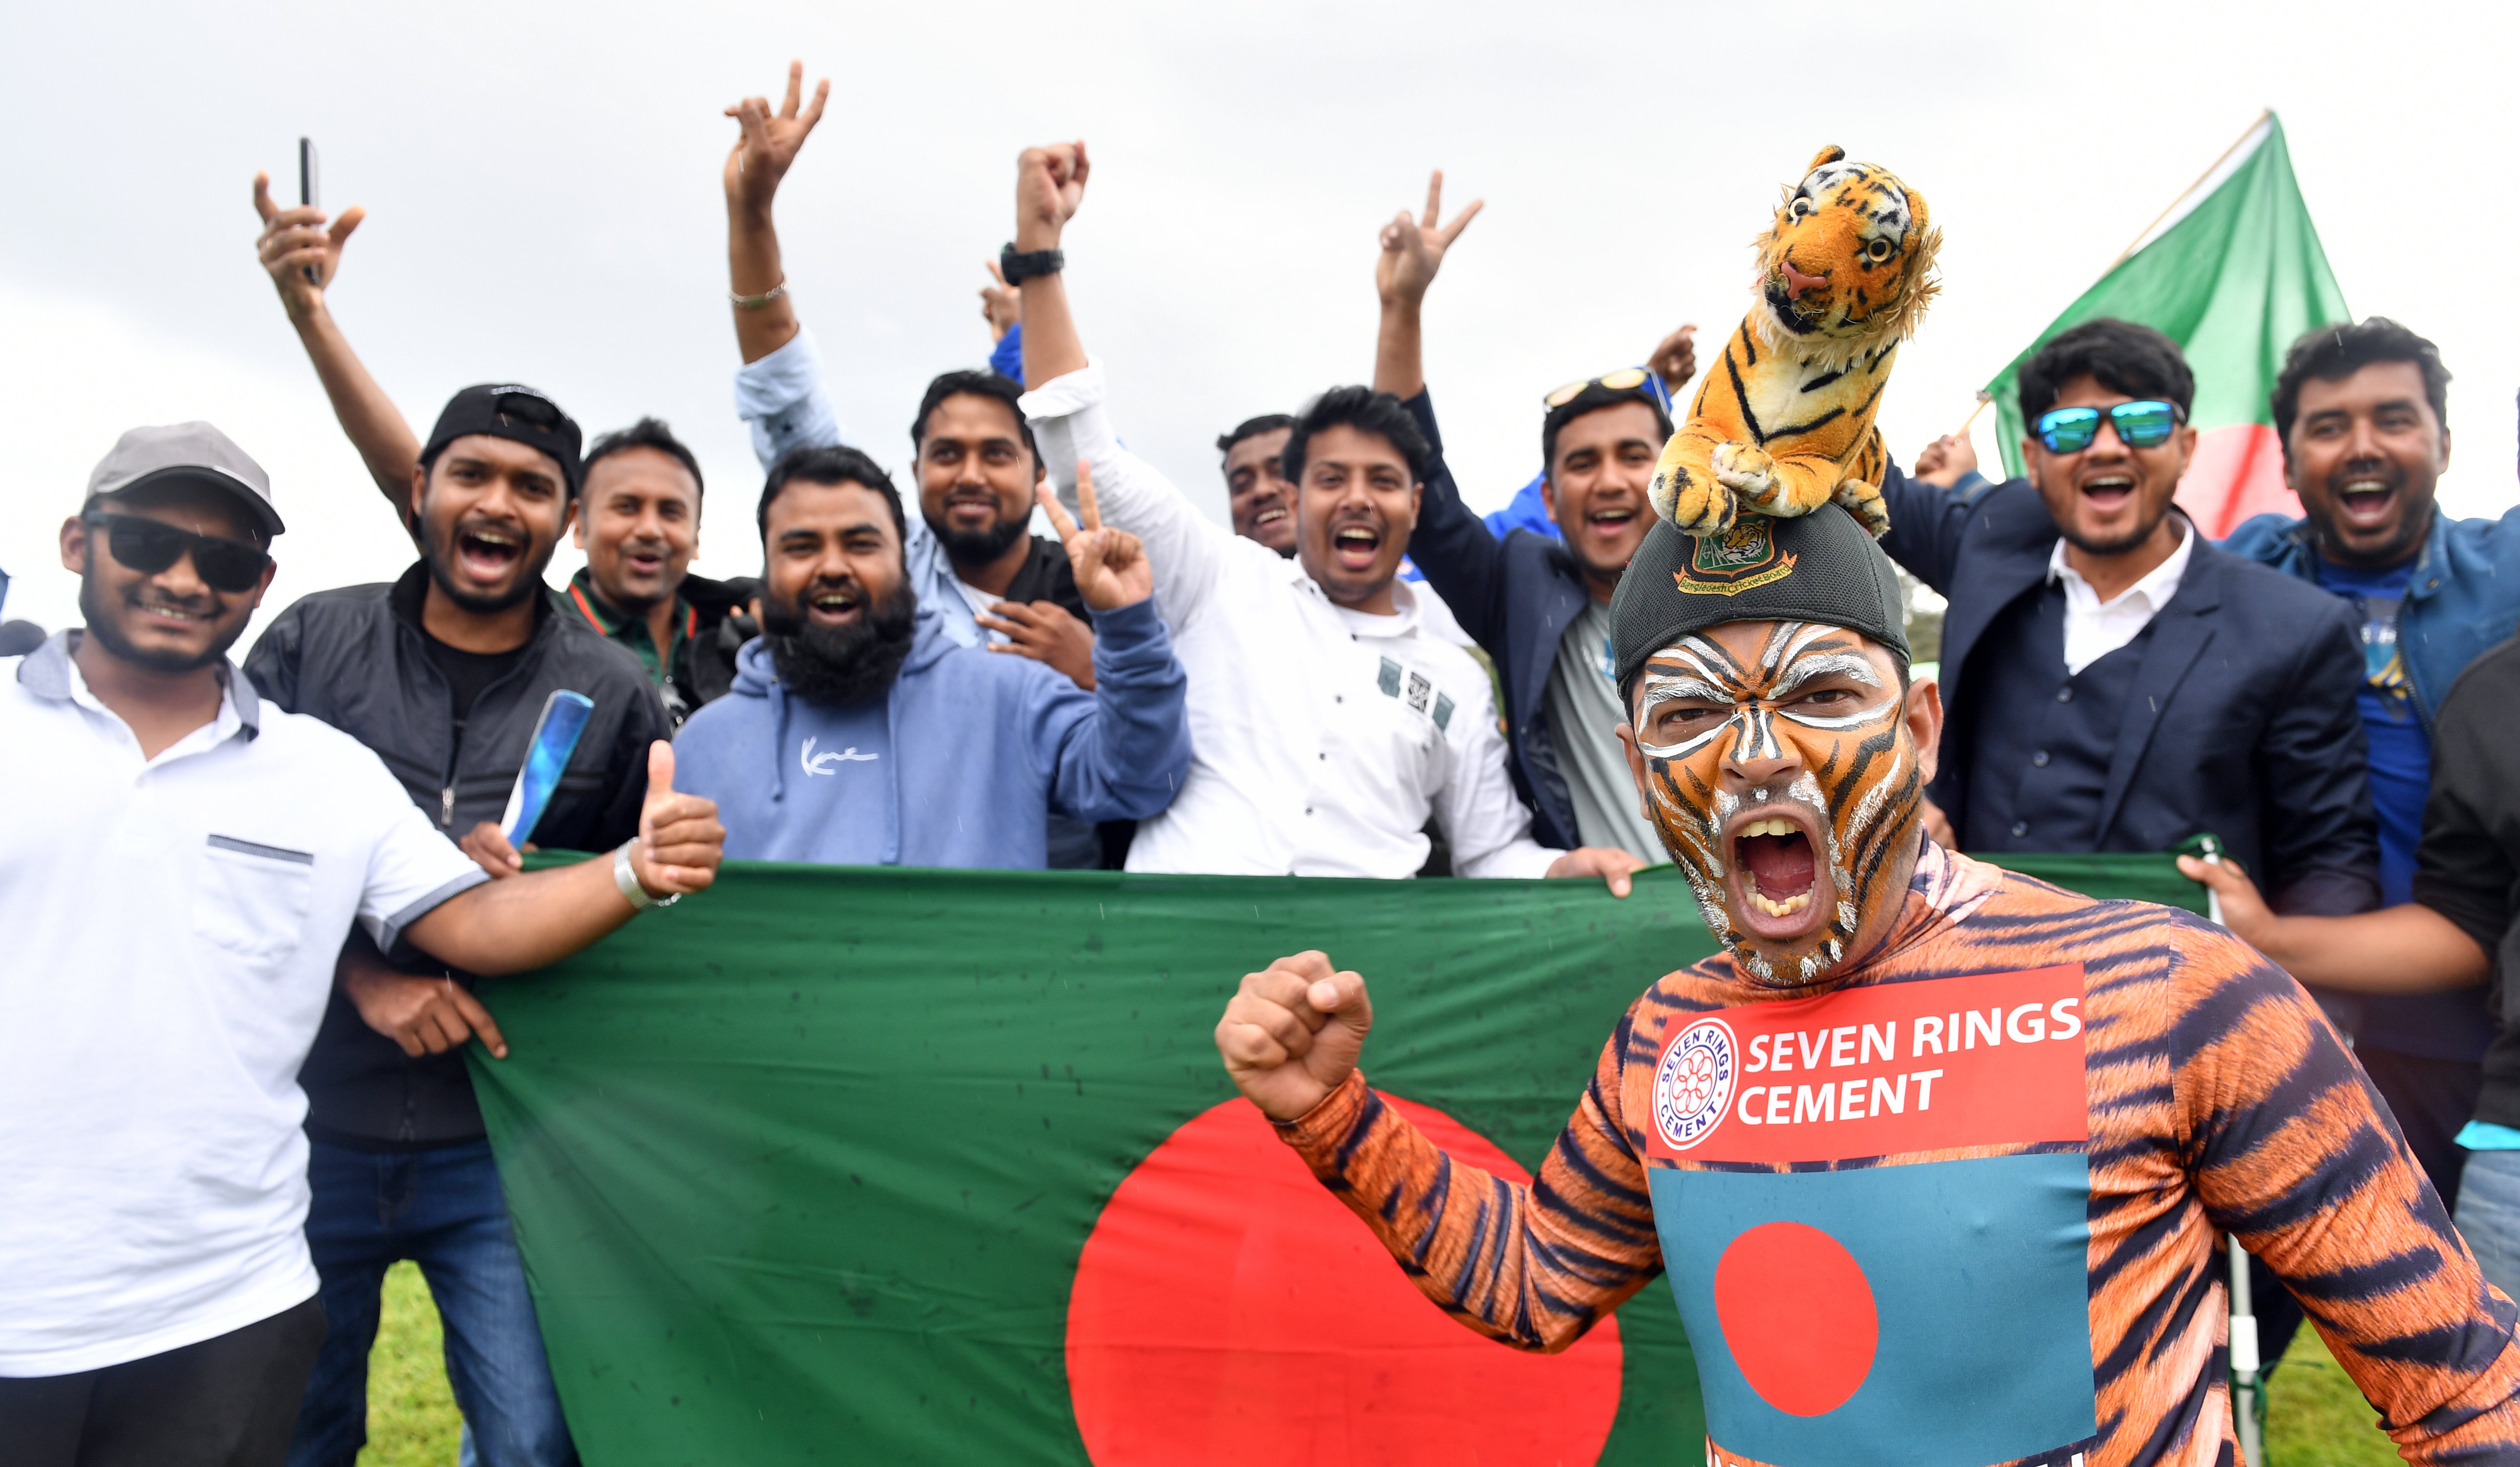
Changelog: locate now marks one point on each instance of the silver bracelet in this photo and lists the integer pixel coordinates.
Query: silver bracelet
(626, 877)
(756, 302)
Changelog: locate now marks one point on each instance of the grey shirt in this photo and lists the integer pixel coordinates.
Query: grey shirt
(1583, 713)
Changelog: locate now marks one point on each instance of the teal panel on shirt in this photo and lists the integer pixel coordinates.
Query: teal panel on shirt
(1978, 1283)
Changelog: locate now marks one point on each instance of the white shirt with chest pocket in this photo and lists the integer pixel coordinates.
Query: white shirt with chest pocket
(171, 928)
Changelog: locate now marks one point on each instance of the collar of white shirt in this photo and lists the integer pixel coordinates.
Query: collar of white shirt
(2095, 628)
(51, 671)
(1402, 622)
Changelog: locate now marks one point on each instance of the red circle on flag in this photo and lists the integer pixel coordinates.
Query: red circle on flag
(1798, 1316)
(1229, 1310)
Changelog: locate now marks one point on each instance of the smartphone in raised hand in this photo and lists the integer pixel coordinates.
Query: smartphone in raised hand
(309, 189)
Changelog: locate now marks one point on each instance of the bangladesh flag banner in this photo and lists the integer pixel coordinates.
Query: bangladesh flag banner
(874, 1165)
(2235, 281)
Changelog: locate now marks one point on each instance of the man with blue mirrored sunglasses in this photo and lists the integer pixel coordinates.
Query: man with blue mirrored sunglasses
(2115, 682)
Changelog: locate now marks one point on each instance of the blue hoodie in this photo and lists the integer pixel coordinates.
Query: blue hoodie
(959, 766)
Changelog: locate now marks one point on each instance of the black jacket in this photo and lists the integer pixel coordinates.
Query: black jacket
(1515, 597)
(2467, 867)
(2242, 719)
(355, 658)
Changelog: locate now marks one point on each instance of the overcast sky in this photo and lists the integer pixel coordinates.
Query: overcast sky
(542, 182)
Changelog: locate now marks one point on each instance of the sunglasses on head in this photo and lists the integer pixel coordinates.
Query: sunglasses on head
(150, 545)
(1625, 380)
(2138, 425)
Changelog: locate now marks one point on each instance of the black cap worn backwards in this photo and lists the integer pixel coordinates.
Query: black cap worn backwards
(1819, 567)
(518, 414)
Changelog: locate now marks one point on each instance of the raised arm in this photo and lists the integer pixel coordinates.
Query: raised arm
(1065, 404)
(1463, 561)
(302, 251)
(1533, 1265)
(765, 319)
(1412, 252)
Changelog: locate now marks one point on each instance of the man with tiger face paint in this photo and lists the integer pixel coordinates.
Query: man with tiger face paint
(1937, 1162)
(1783, 763)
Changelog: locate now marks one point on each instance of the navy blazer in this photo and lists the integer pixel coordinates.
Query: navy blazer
(2244, 718)
(1515, 597)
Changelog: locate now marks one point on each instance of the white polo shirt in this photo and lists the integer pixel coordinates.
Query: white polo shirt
(1322, 739)
(171, 925)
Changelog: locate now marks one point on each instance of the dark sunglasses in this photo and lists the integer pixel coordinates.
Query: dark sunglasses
(2138, 425)
(150, 545)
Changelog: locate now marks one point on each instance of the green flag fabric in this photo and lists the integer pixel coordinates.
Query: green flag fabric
(2235, 281)
(875, 1165)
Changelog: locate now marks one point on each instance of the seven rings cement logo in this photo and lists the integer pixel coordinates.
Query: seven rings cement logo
(1694, 1083)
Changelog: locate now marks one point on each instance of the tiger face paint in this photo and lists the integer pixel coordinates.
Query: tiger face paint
(1781, 763)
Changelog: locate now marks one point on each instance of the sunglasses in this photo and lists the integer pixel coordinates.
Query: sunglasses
(1625, 380)
(2138, 425)
(150, 545)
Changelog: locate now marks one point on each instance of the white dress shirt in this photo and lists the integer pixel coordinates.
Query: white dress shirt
(1324, 737)
(2095, 628)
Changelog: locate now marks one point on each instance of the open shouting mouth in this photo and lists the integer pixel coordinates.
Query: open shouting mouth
(1776, 872)
(1355, 546)
(487, 550)
(839, 606)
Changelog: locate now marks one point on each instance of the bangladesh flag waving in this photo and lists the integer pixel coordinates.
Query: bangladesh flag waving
(2235, 281)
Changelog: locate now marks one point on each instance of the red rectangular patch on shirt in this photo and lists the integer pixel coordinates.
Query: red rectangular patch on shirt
(1986, 1060)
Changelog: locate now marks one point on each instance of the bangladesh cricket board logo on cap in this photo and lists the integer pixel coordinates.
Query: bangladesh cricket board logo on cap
(1694, 1083)
(1735, 561)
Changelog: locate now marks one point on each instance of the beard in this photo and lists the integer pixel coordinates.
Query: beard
(437, 549)
(981, 546)
(105, 628)
(837, 667)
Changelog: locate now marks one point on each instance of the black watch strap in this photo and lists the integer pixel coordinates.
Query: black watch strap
(1018, 268)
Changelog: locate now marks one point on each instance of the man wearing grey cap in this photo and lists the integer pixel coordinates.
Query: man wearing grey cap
(1930, 1153)
(188, 859)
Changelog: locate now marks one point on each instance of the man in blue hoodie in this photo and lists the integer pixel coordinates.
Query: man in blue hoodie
(860, 734)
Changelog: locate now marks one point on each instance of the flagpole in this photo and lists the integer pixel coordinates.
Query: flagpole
(2125, 255)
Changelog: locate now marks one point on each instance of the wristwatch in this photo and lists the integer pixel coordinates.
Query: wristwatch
(626, 876)
(1018, 268)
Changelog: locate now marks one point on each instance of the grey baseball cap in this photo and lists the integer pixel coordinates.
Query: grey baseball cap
(192, 452)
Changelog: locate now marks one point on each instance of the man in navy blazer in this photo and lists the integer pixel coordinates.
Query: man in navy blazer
(2115, 682)
(1539, 604)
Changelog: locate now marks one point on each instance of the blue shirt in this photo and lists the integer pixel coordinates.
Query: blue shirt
(2402, 751)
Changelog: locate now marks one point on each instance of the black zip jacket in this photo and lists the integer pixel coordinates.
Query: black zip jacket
(355, 658)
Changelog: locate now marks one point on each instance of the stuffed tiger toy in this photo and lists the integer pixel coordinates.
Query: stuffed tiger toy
(1783, 424)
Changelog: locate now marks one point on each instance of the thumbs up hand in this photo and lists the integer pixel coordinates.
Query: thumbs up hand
(680, 840)
(1292, 1035)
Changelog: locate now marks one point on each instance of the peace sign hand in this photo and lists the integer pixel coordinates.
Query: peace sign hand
(1111, 565)
(1413, 249)
(770, 142)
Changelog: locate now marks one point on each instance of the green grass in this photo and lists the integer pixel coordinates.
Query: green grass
(2316, 1417)
(412, 1420)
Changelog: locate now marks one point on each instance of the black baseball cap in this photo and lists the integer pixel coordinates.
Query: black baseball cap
(518, 414)
(1819, 567)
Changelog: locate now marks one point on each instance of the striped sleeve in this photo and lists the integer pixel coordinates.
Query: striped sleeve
(1533, 1267)
(2294, 1153)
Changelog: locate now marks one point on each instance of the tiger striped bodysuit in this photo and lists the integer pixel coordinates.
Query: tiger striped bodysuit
(1962, 1203)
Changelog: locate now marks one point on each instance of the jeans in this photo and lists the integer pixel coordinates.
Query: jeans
(444, 1210)
(2489, 1216)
